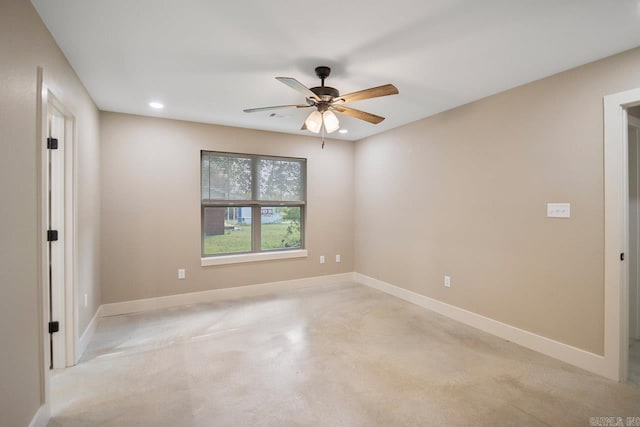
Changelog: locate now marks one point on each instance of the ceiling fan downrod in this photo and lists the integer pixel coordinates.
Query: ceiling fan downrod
(324, 93)
(323, 72)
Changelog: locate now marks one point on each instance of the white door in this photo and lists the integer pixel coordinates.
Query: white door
(55, 235)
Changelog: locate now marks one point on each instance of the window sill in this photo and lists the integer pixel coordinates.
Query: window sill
(262, 256)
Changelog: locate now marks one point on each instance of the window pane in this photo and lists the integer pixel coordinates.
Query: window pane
(204, 176)
(281, 179)
(229, 177)
(280, 227)
(226, 230)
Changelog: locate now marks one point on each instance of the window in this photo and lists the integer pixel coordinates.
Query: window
(251, 203)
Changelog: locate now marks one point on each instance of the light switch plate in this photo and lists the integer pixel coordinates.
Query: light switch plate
(558, 210)
(181, 273)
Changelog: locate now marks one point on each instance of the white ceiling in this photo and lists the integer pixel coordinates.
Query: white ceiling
(208, 60)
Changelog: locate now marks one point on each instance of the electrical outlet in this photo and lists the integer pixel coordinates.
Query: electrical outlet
(338, 258)
(182, 273)
(447, 281)
(558, 210)
(321, 259)
(86, 300)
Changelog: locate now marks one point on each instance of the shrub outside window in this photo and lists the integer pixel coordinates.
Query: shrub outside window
(251, 203)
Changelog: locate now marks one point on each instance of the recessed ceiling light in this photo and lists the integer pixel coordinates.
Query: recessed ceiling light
(343, 131)
(156, 105)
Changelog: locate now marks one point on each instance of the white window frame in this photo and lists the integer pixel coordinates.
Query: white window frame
(256, 253)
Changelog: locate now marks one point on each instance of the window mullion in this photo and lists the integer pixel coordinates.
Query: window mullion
(280, 203)
(256, 221)
(303, 226)
(209, 177)
(256, 228)
(202, 236)
(254, 178)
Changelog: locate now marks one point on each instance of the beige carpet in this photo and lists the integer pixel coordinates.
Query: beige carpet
(339, 355)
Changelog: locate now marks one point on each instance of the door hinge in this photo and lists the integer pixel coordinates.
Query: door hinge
(54, 327)
(52, 143)
(621, 256)
(52, 235)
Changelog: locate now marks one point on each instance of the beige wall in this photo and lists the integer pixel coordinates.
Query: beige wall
(151, 206)
(25, 44)
(464, 194)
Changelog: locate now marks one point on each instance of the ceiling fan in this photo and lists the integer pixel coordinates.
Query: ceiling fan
(327, 101)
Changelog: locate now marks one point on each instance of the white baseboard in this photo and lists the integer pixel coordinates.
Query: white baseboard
(583, 359)
(41, 417)
(87, 335)
(147, 304)
(566, 353)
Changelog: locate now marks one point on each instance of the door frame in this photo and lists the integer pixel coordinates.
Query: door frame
(635, 123)
(55, 179)
(45, 100)
(616, 233)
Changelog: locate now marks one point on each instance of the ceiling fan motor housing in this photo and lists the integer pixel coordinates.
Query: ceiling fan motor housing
(325, 92)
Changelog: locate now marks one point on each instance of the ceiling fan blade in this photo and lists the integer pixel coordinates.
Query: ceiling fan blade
(277, 107)
(294, 84)
(373, 92)
(362, 115)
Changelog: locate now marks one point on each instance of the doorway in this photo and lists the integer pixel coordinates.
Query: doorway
(615, 360)
(633, 133)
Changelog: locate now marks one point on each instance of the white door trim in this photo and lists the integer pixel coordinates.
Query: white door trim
(616, 232)
(70, 321)
(43, 289)
(72, 300)
(55, 161)
(634, 323)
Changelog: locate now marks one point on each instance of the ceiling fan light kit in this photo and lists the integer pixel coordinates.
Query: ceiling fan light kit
(327, 101)
(314, 121)
(331, 123)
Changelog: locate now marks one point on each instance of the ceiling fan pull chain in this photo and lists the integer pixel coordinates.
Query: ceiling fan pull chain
(323, 136)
